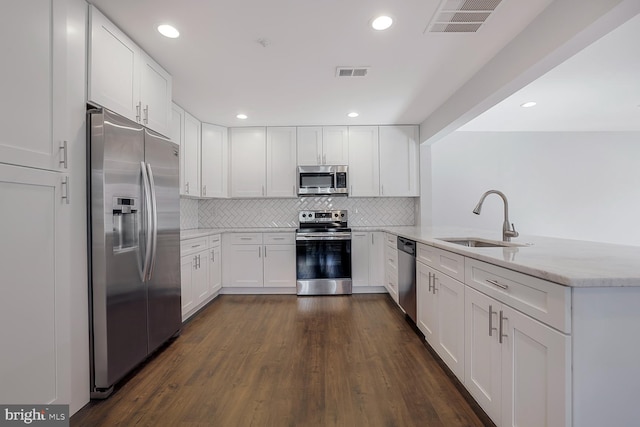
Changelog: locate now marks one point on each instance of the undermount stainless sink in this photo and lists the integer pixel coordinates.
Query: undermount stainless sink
(475, 242)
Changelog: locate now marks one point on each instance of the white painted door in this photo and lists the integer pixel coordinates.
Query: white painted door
(33, 83)
(360, 259)
(191, 162)
(215, 270)
(201, 276)
(281, 162)
(335, 145)
(483, 357)
(248, 161)
(309, 142)
(426, 303)
(187, 266)
(535, 372)
(35, 291)
(244, 266)
(376, 259)
(214, 161)
(399, 161)
(449, 340)
(364, 166)
(114, 68)
(155, 95)
(280, 266)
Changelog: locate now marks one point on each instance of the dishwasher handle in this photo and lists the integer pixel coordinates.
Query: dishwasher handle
(407, 246)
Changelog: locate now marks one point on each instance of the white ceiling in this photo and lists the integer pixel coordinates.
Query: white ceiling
(598, 89)
(219, 69)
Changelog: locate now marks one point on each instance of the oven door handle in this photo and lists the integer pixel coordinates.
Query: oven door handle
(323, 236)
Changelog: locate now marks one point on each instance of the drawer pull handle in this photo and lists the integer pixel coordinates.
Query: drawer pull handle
(195, 246)
(491, 313)
(245, 238)
(498, 284)
(278, 238)
(502, 318)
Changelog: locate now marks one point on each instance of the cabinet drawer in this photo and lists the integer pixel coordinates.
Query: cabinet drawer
(191, 246)
(444, 261)
(391, 239)
(245, 238)
(545, 301)
(279, 238)
(214, 241)
(391, 256)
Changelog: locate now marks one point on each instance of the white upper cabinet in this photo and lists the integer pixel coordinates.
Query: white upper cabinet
(191, 160)
(248, 161)
(177, 136)
(399, 161)
(34, 49)
(124, 79)
(281, 162)
(364, 169)
(214, 161)
(328, 145)
(335, 145)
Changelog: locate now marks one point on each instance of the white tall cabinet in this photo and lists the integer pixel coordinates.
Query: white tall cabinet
(399, 161)
(34, 188)
(281, 162)
(191, 159)
(364, 169)
(214, 161)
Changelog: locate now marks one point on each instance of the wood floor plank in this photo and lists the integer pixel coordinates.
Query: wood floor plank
(282, 360)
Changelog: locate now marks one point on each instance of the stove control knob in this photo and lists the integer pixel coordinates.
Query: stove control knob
(342, 215)
(336, 215)
(304, 215)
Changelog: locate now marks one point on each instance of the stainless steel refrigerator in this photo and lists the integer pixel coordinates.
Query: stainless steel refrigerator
(134, 245)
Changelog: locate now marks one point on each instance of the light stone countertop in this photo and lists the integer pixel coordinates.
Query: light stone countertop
(573, 263)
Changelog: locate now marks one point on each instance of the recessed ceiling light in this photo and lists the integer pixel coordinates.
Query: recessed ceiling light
(242, 116)
(528, 104)
(353, 114)
(168, 31)
(381, 23)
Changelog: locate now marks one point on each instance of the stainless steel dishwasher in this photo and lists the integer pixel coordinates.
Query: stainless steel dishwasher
(407, 276)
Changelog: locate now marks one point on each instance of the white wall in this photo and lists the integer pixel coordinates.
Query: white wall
(572, 185)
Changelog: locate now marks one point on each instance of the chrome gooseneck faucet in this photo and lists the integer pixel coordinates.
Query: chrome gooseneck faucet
(508, 230)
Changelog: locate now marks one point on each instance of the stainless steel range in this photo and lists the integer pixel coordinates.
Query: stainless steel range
(323, 253)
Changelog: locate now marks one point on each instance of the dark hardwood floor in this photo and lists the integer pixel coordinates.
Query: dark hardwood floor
(273, 360)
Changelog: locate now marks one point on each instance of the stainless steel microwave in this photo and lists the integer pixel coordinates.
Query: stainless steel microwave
(323, 181)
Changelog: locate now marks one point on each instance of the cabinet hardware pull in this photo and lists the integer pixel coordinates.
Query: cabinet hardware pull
(501, 334)
(372, 238)
(138, 107)
(245, 238)
(65, 193)
(186, 188)
(430, 274)
(319, 162)
(382, 190)
(204, 190)
(195, 246)
(491, 313)
(324, 159)
(63, 148)
(278, 238)
(263, 190)
(265, 251)
(213, 256)
(294, 189)
(146, 114)
(434, 283)
(259, 251)
(498, 284)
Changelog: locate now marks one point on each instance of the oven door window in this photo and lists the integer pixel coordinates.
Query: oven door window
(323, 259)
(316, 180)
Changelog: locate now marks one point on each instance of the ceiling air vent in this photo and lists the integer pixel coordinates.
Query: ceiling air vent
(461, 16)
(352, 71)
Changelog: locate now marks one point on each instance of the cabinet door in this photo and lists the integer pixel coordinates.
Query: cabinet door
(155, 95)
(360, 259)
(248, 161)
(535, 372)
(376, 259)
(177, 136)
(449, 342)
(280, 266)
(281, 162)
(34, 262)
(201, 277)
(187, 266)
(214, 161)
(399, 161)
(364, 167)
(215, 270)
(483, 372)
(243, 267)
(114, 68)
(335, 145)
(33, 45)
(309, 142)
(426, 303)
(191, 160)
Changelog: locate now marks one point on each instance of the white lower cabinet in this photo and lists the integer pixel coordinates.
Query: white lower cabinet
(391, 265)
(517, 368)
(215, 264)
(200, 265)
(367, 252)
(257, 260)
(440, 315)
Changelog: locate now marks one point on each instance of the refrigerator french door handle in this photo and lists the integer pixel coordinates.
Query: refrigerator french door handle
(154, 223)
(148, 222)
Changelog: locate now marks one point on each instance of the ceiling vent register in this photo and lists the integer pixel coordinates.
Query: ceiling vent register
(352, 71)
(461, 16)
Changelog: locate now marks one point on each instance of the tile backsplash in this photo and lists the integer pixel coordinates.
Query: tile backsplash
(229, 213)
(188, 213)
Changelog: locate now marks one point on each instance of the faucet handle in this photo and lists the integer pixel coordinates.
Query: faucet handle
(513, 232)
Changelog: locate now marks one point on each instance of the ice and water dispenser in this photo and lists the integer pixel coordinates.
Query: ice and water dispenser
(125, 223)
